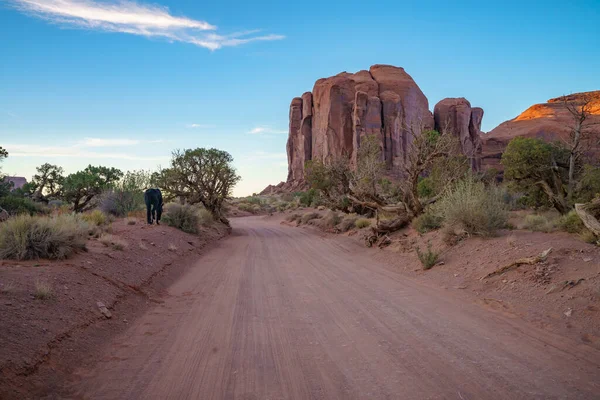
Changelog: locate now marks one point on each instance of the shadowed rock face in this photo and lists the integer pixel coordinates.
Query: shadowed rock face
(549, 121)
(331, 121)
(455, 115)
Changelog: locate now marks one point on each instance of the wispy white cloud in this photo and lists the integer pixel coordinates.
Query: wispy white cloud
(200, 126)
(136, 19)
(73, 151)
(261, 130)
(98, 142)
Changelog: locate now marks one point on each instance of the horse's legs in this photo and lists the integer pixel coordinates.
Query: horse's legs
(148, 214)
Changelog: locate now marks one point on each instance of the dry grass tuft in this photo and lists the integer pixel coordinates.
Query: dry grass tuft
(131, 221)
(43, 290)
(113, 241)
(172, 247)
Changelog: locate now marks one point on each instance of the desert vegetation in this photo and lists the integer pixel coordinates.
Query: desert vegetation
(54, 214)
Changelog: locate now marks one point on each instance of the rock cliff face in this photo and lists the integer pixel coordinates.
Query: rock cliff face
(457, 116)
(549, 121)
(331, 120)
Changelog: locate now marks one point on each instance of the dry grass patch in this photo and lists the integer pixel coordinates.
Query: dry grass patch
(29, 238)
(113, 241)
(143, 246)
(362, 223)
(130, 221)
(96, 217)
(7, 287)
(309, 217)
(172, 247)
(43, 290)
(428, 257)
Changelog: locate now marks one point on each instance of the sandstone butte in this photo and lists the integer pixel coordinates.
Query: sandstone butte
(385, 101)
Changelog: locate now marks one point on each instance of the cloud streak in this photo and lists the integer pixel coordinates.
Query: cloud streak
(136, 19)
(261, 130)
(28, 150)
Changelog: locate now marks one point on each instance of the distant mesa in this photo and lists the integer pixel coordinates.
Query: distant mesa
(17, 181)
(386, 102)
(549, 121)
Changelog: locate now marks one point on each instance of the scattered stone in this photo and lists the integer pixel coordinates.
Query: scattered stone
(105, 311)
(587, 259)
(569, 312)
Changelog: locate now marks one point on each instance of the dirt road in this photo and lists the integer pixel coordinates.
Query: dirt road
(276, 312)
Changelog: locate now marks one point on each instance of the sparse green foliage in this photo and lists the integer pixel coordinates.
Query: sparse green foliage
(25, 237)
(82, 187)
(47, 183)
(127, 194)
(425, 187)
(472, 206)
(532, 164)
(362, 223)
(571, 222)
(588, 186)
(18, 205)
(428, 258)
(184, 217)
(200, 175)
(428, 221)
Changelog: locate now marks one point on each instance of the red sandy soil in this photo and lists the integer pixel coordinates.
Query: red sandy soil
(278, 312)
(41, 339)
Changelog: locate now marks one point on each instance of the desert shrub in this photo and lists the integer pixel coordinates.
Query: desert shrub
(205, 217)
(19, 205)
(571, 222)
(537, 223)
(121, 202)
(25, 237)
(428, 257)
(283, 206)
(130, 221)
(362, 223)
(477, 209)
(113, 241)
(184, 217)
(347, 223)
(309, 216)
(43, 290)
(425, 188)
(246, 207)
(293, 217)
(253, 200)
(96, 217)
(588, 236)
(306, 198)
(329, 220)
(428, 221)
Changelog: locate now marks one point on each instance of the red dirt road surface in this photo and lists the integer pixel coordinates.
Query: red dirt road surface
(276, 312)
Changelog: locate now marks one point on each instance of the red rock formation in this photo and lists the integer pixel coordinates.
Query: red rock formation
(455, 115)
(549, 121)
(384, 101)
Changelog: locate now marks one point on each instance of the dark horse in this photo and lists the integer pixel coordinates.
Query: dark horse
(154, 205)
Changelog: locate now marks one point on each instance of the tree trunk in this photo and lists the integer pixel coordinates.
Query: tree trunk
(572, 159)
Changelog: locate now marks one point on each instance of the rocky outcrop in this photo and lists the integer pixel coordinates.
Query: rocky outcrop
(331, 120)
(456, 115)
(550, 121)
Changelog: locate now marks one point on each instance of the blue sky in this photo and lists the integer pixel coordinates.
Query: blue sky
(123, 84)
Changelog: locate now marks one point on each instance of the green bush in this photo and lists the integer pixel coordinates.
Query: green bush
(428, 221)
(19, 205)
(571, 222)
(477, 209)
(362, 223)
(307, 198)
(25, 237)
(428, 258)
(183, 217)
(425, 188)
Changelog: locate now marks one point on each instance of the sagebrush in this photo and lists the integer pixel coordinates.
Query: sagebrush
(477, 209)
(25, 237)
